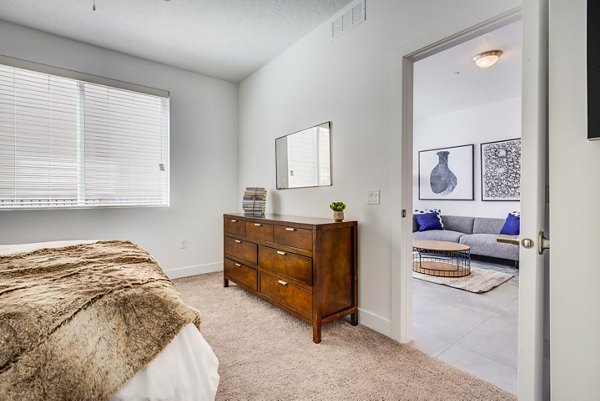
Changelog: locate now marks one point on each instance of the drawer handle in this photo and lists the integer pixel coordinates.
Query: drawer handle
(282, 282)
(282, 253)
(238, 265)
(233, 221)
(257, 225)
(290, 229)
(238, 241)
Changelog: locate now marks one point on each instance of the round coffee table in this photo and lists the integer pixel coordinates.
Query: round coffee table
(441, 258)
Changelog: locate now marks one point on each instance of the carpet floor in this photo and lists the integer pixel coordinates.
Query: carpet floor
(266, 354)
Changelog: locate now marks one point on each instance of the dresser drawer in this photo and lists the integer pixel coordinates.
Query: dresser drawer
(234, 226)
(241, 274)
(259, 231)
(291, 236)
(286, 263)
(287, 294)
(241, 249)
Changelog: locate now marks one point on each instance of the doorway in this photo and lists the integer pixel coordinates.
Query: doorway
(476, 332)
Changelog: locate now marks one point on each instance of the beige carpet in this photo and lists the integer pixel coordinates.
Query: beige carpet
(479, 281)
(266, 354)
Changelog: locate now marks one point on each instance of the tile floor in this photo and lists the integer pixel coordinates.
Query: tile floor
(476, 333)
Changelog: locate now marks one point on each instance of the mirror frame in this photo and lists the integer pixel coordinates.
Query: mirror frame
(330, 157)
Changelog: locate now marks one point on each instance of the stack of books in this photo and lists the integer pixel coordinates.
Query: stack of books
(254, 202)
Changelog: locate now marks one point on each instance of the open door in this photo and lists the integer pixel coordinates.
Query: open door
(532, 380)
(533, 199)
(554, 134)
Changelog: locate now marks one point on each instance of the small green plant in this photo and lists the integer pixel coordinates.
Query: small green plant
(337, 206)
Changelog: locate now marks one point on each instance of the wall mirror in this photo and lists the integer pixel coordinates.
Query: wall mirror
(303, 159)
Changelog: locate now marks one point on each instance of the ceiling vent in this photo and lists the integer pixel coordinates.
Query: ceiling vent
(348, 18)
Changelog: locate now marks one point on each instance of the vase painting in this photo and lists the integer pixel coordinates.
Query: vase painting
(446, 173)
(442, 180)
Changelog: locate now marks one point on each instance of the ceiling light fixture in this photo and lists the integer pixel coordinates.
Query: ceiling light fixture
(487, 59)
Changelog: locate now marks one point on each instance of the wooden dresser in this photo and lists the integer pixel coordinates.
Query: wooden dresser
(305, 266)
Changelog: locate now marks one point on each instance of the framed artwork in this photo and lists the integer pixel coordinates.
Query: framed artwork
(446, 173)
(501, 170)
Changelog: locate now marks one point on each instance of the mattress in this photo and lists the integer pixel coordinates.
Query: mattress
(185, 370)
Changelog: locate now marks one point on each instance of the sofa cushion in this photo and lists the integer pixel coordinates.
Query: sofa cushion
(438, 235)
(512, 225)
(486, 225)
(429, 221)
(417, 214)
(461, 224)
(486, 245)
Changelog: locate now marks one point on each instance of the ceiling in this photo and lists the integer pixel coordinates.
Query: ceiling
(228, 39)
(449, 81)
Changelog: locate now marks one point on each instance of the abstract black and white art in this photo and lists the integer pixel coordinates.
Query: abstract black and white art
(501, 170)
(446, 173)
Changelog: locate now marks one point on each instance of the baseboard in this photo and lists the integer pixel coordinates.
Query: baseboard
(375, 322)
(187, 271)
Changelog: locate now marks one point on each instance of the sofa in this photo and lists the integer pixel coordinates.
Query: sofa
(479, 233)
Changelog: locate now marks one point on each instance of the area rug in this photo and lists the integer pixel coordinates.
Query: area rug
(479, 281)
(266, 354)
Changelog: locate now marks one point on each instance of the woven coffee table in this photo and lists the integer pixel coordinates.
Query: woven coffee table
(441, 258)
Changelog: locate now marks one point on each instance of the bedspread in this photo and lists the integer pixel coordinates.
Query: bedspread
(77, 322)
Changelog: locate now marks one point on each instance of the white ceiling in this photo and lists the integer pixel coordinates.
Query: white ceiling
(450, 80)
(228, 39)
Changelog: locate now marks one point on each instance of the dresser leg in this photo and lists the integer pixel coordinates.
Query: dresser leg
(354, 319)
(316, 331)
(225, 282)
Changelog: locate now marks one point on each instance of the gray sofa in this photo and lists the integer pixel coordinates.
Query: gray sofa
(478, 232)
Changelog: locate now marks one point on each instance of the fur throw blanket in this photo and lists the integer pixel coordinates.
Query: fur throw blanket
(77, 322)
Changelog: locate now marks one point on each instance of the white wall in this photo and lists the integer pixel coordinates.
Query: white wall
(574, 184)
(486, 123)
(203, 159)
(348, 81)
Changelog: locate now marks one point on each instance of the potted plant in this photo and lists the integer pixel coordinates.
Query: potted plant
(338, 211)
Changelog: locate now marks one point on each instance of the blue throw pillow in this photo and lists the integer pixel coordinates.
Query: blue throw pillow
(512, 225)
(429, 221)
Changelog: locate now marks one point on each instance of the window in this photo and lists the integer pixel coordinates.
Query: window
(68, 142)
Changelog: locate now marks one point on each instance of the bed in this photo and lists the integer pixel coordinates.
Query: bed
(97, 320)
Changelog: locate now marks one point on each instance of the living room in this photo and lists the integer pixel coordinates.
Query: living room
(466, 184)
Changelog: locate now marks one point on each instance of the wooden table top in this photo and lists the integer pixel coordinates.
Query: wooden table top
(442, 246)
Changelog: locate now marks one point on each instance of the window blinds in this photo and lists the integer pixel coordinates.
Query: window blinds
(70, 143)
(308, 158)
(324, 159)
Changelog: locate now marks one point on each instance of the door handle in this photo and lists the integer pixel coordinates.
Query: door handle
(282, 253)
(527, 243)
(282, 282)
(507, 239)
(238, 241)
(543, 242)
(542, 245)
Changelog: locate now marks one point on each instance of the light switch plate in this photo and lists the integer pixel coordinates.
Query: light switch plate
(373, 197)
